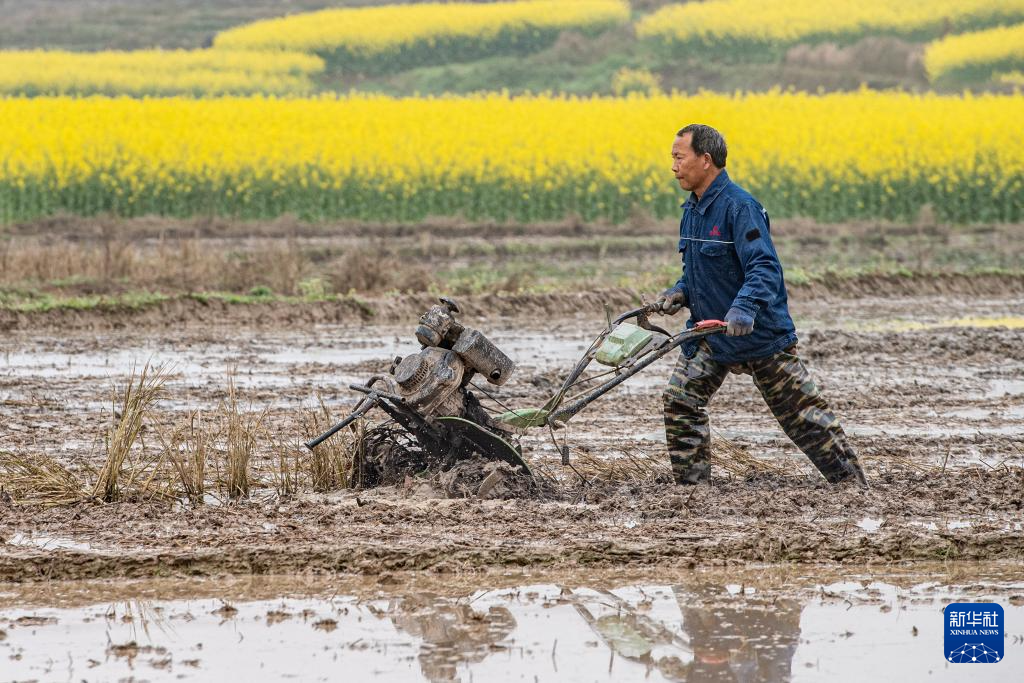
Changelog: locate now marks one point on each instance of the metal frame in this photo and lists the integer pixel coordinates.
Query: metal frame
(557, 417)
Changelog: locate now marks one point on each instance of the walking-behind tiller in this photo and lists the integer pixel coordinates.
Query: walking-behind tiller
(427, 394)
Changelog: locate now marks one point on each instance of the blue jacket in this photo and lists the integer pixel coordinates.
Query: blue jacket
(729, 261)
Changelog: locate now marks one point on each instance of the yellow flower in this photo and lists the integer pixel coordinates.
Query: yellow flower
(977, 54)
(157, 72)
(491, 155)
(732, 23)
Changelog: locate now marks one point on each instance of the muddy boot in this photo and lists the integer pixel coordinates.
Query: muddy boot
(806, 417)
(851, 473)
(836, 460)
(694, 474)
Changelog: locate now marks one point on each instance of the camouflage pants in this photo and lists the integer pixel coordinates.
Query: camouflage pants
(790, 393)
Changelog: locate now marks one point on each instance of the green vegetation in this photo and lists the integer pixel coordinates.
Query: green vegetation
(138, 24)
(34, 301)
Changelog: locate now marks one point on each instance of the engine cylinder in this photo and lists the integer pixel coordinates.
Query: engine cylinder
(483, 356)
(429, 381)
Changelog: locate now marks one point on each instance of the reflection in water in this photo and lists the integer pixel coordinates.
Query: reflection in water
(453, 633)
(752, 642)
(716, 636)
(698, 627)
(631, 634)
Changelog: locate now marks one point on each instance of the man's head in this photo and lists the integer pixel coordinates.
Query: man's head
(698, 156)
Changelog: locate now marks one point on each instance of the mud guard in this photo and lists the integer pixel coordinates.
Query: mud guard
(486, 442)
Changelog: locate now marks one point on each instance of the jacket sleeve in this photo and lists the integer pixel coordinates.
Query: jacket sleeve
(762, 272)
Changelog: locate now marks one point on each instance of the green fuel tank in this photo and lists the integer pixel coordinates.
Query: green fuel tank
(624, 342)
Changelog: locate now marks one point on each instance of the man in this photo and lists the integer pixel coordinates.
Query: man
(731, 272)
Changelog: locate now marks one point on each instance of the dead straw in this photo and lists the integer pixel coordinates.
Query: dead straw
(738, 462)
(188, 448)
(140, 392)
(330, 462)
(285, 463)
(241, 432)
(38, 479)
(634, 466)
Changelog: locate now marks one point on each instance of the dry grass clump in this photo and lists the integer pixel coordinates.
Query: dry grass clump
(38, 261)
(279, 266)
(231, 439)
(110, 263)
(241, 433)
(188, 448)
(287, 466)
(631, 466)
(37, 479)
(737, 462)
(375, 268)
(139, 394)
(330, 462)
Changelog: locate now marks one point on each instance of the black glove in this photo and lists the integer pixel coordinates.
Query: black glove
(671, 301)
(740, 323)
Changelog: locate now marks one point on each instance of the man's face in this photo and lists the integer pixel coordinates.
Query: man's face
(690, 169)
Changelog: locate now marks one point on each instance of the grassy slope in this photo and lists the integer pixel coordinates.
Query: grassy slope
(582, 66)
(575, 64)
(135, 24)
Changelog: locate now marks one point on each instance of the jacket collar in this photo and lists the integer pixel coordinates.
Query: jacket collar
(714, 189)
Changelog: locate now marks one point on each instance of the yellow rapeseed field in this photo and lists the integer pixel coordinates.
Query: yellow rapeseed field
(864, 154)
(397, 36)
(156, 72)
(748, 28)
(977, 55)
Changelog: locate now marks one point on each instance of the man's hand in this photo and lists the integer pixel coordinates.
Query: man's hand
(671, 301)
(739, 323)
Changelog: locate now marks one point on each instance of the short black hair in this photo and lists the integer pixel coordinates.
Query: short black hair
(706, 140)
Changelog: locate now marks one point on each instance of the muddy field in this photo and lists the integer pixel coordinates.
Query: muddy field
(931, 390)
(603, 570)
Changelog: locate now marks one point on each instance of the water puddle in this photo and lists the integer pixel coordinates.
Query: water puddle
(934, 430)
(769, 624)
(873, 524)
(981, 414)
(48, 542)
(326, 347)
(1006, 387)
(870, 524)
(324, 358)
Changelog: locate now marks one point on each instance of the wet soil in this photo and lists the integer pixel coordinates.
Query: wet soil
(969, 515)
(930, 389)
